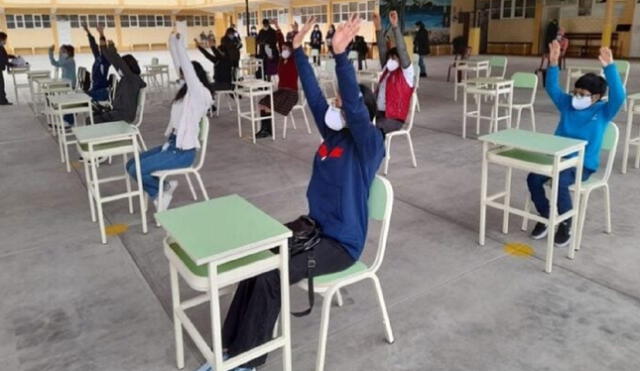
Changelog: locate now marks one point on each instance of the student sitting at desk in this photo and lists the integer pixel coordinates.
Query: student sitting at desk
(583, 115)
(222, 67)
(397, 80)
(125, 102)
(343, 170)
(189, 106)
(286, 97)
(100, 70)
(67, 64)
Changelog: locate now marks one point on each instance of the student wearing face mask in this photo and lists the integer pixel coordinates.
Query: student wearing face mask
(421, 46)
(316, 43)
(222, 68)
(287, 94)
(343, 170)
(268, 49)
(398, 78)
(125, 102)
(187, 109)
(330, 32)
(4, 64)
(584, 116)
(100, 70)
(67, 65)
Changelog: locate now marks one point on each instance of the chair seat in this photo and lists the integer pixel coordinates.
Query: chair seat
(330, 279)
(534, 162)
(160, 173)
(397, 133)
(516, 105)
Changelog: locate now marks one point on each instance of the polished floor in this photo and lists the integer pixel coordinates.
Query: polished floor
(70, 303)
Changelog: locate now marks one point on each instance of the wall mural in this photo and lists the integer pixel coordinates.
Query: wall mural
(435, 14)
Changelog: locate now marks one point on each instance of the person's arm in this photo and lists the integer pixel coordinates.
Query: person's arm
(559, 98)
(208, 55)
(315, 98)
(367, 137)
(110, 52)
(617, 93)
(405, 60)
(279, 39)
(94, 46)
(382, 45)
(183, 61)
(52, 59)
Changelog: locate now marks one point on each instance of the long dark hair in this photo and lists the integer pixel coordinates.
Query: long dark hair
(202, 76)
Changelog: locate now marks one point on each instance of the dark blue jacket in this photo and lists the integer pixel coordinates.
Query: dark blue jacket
(100, 69)
(347, 161)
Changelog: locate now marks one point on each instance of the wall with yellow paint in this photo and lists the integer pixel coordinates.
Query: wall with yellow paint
(458, 6)
(511, 30)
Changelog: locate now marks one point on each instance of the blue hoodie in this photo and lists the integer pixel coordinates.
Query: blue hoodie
(99, 72)
(67, 65)
(588, 124)
(347, 161)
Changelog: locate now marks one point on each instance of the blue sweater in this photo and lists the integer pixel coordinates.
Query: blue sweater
(68, 67)
(588, 124)
(100, 68)
(347, 161)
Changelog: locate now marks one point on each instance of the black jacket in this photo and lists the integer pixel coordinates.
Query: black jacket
(222, 64)
(267, 37)
(4, 58)
(316, 39)
(125, 103)
(421, 44)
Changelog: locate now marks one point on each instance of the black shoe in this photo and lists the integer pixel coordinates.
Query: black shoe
(263, 134)
(423, 75)
(7, 103)
(563, 235)
(539, 231)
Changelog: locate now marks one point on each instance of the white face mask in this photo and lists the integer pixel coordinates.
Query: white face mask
(333, 118)
(392, 65)
(580, 103)
(286, 53)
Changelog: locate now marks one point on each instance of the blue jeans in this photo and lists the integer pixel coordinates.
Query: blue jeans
(567, 178)
(156, 159)
(423, 67)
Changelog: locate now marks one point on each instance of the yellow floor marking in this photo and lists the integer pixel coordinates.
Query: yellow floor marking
(518, 249)
(76, 165)
(116, 229)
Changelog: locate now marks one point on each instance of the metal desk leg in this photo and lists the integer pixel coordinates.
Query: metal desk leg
(284, 312)
(483, 193)
(575, 220)
(553, 214)
(216, 325)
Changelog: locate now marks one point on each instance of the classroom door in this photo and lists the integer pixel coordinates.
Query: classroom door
(482, 21)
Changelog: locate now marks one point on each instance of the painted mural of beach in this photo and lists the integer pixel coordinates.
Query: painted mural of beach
(435, 14)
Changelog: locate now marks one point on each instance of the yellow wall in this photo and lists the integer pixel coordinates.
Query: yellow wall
(458, 6)
(511, 30)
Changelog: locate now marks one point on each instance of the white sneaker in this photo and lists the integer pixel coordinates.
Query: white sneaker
(171, 187)
(163, 204)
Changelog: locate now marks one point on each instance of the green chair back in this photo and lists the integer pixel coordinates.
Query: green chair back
(623, 66)
(378, 198)
(498, 61)
(610, 137)
(524, 80)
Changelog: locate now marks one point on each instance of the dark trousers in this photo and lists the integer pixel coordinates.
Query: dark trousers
(387, 125)
(3, 95)
(256, 305)
(536, 182)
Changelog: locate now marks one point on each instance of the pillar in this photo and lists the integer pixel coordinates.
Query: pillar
(607, 29)
(537, 28)
(118, 25)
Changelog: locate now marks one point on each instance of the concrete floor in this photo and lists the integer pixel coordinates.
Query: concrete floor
(70, 303)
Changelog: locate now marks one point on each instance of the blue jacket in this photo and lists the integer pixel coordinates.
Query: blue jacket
(100, 68)
(588, 124)
(347, 161)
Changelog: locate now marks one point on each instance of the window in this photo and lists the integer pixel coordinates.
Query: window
(516, 9)
(111, 22)
(29, 21)
(364, 9)
(319, 11)
(167, 21)
(282, 15)
(253, 18)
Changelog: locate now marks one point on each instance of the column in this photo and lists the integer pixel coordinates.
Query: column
(607, 29)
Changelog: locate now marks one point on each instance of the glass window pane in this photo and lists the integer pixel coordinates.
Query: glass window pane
(111, 22)
(353, 7)
(19, 21)
(133, 21)
(142, 21)
(197, 21)
(124, 21)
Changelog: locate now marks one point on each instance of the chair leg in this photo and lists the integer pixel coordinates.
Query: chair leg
(525, 220)
(339, 301)
(533, 118)
(193, 191)
(96, 185)
(202, 187)
(127, 181)
(177, 325)
(142, 143)
(518, 117)
(324, 329)
(87, 176)
(607, 206)
(383, 309)
(582, 215)
(413, 155)
(388, 156)
(306, 120)
(284, 127)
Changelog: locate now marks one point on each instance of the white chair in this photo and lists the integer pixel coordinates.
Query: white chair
(596, 181)
(416, 74)
(403, 132)
(498, 63)
(301, 106)
(142, 98)
(193, 169)
(524, 80)
(630, 139)
(219, 94)
(327, 75)
(380, 206)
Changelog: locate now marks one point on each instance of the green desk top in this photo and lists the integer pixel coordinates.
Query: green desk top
(487, 80)
(72, 98)
(111, 130)
(534, 142)
(216, 229)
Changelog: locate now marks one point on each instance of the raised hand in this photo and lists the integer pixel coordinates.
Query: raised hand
(100, 29)
(345, 33)
(85, 27)
(376, 21)
(393, 18)
(297, 40)
(554, 52)
(606, 56)
(52, 48)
